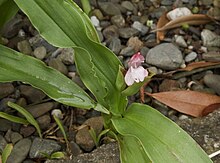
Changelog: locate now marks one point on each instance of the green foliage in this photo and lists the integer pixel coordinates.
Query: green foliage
(60, 125)
(27, 115)
(13, 118)
(96, 138)
(6, 152)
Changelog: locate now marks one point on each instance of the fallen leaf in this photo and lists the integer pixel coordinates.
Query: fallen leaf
(163, 20)
(189, 102)
(195, 19)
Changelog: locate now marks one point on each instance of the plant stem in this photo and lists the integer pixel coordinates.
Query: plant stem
(86, 6)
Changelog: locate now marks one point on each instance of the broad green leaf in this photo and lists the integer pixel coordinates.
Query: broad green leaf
(8, 9)
(27, 115)
(15, 66)
(120, 80)
(60, 19)
(131, 150)
(161, 139)
(13, 118)
(6, 152)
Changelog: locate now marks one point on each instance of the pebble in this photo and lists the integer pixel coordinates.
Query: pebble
(169, 85)
(212, 81)
(180, 41)
(140, 27)
(15, 137)
(98, 14)
(178, 12)
(31, 94)
(57, 64)
(27, 130)
(24, 47)
(127, 51)
(75, 149)
(212, 56)
(6, 89)
(165, 56)
(44, 121)
(5, 125)
(40, 52)
(115, 45)
(118, 20)
(128, 32)
(19, 151)
(3, 143)
(67, 56)
(40, 109)
(83, 137)
(95, 21)
(109, 8)
(40, 146)
(110, 32)
(135, 43)
(210, 38)
(191, 56)
(127, 5)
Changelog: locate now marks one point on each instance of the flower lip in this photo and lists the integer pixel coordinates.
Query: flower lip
(136, 60)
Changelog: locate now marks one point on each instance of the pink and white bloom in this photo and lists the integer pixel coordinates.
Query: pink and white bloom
(136, 73)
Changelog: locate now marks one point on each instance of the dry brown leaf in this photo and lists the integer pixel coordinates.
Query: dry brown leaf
(163, 20)
(195, 19)
(189, 102)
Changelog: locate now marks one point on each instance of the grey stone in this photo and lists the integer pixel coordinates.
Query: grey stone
(6, 89)
(83, 136)
(140, 27)
(135, 43)
(115, 45)
(127, 51)
(40, 52)
(66, 56)
(191, 56)
(110, 32)
(109, 8)
(19, 151)
(212, 56)
(31, 94)
(44, 121)
(210, 38)
(5, 125)
(128, 32)
(24, 47)
(40, 109)
(118, 20)
(15, 137)
(213, 81)
(58, 65)
(127, 5)
(165, 56)
(3, 143)
(107, 153)
(75, 149)
(27, 130)
(40, 146)
(180, 41)
(167, 2)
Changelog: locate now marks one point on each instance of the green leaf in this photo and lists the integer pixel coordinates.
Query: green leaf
(61, 19)
(131, 150)
(57, 155)
(15, 66)
(13, 118)
(27, 115)
(6, 152)
(60, 125)
(8, 9)
(120, 80)
(161, 139)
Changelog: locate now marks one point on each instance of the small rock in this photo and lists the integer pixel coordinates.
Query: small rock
(19, 151)
(83, 137)
(40, 146)
(140, 27)
(169, 85)
(212, 81)
(75, 149)
(44, 121)
(109, 8)
(40, 52)
(191, 56)
(127, 51)
(5, 125)
(135, 43)
(15, 137)
(178, 12)
(57, 64)
(27, 130)
(165, 56)
(3, 143)
(40, 109)
(118, 20)
(115, 45)
(32, 94)
(67, 56)
(24, 47)
(209, 38)
(110, 32)
(6, 89)
(127, 5)
(95, 21)
(180, 41)
(166, 2)
(97, 13)
(212, 56)
(128, 32)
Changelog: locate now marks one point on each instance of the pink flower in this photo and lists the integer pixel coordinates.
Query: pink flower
(136, 73)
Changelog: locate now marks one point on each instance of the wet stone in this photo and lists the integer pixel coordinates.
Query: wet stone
(24, 47)
(6, 89)
(128, 32)
(40, 146)
(165, 56)
(19, 151)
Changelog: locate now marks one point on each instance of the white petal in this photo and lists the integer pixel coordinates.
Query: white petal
(128, 77)
(138, 74)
